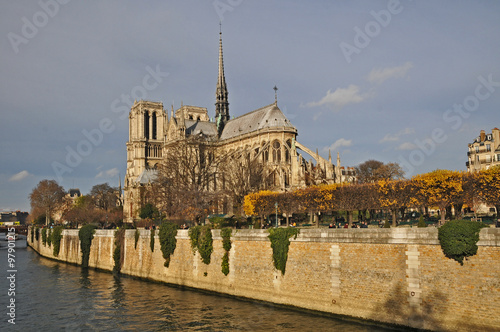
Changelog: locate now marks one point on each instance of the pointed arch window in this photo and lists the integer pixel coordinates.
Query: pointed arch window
(154, 126)
(276, 152)
(146, 124)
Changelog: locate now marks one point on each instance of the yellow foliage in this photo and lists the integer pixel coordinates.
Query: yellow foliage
(256, 203)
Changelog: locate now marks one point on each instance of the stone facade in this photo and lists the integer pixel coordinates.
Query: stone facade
(395, 276)
(484, 152)
(266, 134)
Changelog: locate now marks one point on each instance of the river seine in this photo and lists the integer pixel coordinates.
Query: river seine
(53, 296)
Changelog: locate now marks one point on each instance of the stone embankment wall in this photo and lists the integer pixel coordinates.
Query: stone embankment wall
(396, 276)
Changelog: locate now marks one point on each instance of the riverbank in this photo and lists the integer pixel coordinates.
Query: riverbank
(394, 276)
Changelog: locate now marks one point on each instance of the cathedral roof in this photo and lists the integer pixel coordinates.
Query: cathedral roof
(200, 127)
(269, 116)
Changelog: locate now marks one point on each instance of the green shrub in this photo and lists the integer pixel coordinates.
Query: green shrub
(225, 263)
(44, 236)
(280, 242)
(33, 234)
(201, 240)
(421, 222)
(49, 237)
(387, 224)
(37, 233)
(218, 222)
(137, 234)
(459, 238)
(225, 233)
(56, 239)
(117, 253)
(194, 234)
(168, 242)
(152, 240)
(86, 234)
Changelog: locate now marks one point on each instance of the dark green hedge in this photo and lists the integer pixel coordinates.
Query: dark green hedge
(459, 238)
(280, 241)
(86, 234)
(168, 242)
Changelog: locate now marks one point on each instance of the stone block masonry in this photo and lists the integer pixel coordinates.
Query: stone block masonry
(395, 276)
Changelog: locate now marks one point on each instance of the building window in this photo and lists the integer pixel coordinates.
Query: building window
(498, 157)
(488, 147)
(288, 150)
(265, 154)
(477, 149)
(154, 126)
(488, 159)
(276, 152)
(146, 125)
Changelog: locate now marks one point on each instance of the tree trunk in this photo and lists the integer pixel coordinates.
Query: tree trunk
(349, 218)
(442, 211)
(394, 213)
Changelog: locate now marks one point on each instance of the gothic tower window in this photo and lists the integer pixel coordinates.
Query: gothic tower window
(154, 125)
(146, 124)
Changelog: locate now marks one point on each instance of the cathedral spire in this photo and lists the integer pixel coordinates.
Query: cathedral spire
(221, 103)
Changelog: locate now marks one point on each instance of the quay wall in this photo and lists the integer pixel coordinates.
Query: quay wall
(395, 276)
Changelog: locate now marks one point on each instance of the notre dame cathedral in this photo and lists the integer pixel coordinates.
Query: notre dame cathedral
(265, 133)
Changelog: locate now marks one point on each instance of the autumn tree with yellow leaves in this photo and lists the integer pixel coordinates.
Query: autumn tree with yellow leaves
(440, 188)
(395, 196)
(487, 186)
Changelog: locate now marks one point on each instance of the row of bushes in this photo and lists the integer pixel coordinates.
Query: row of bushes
(458, 241)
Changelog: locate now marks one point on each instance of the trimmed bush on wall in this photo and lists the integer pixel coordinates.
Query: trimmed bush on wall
(136, 238)
(280, 242)
(152, 240)
(225, 233)
(56, 239)
(44, 236)
(49, 237)
(118, 252)
(168, 242)
(86, 234)
(201, 240)
(459, 238)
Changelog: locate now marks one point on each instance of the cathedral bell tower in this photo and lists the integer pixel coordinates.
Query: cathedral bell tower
(221, 103)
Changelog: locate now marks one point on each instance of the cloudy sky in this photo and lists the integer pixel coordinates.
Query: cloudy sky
(397, 81)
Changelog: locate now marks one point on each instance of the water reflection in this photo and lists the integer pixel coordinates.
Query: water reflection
(57, 296)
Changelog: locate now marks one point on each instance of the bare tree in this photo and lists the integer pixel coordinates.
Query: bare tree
(187, 180)
(82, 212)
(47, 196)
(104, 196)
(241, 174)
(372, 171)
